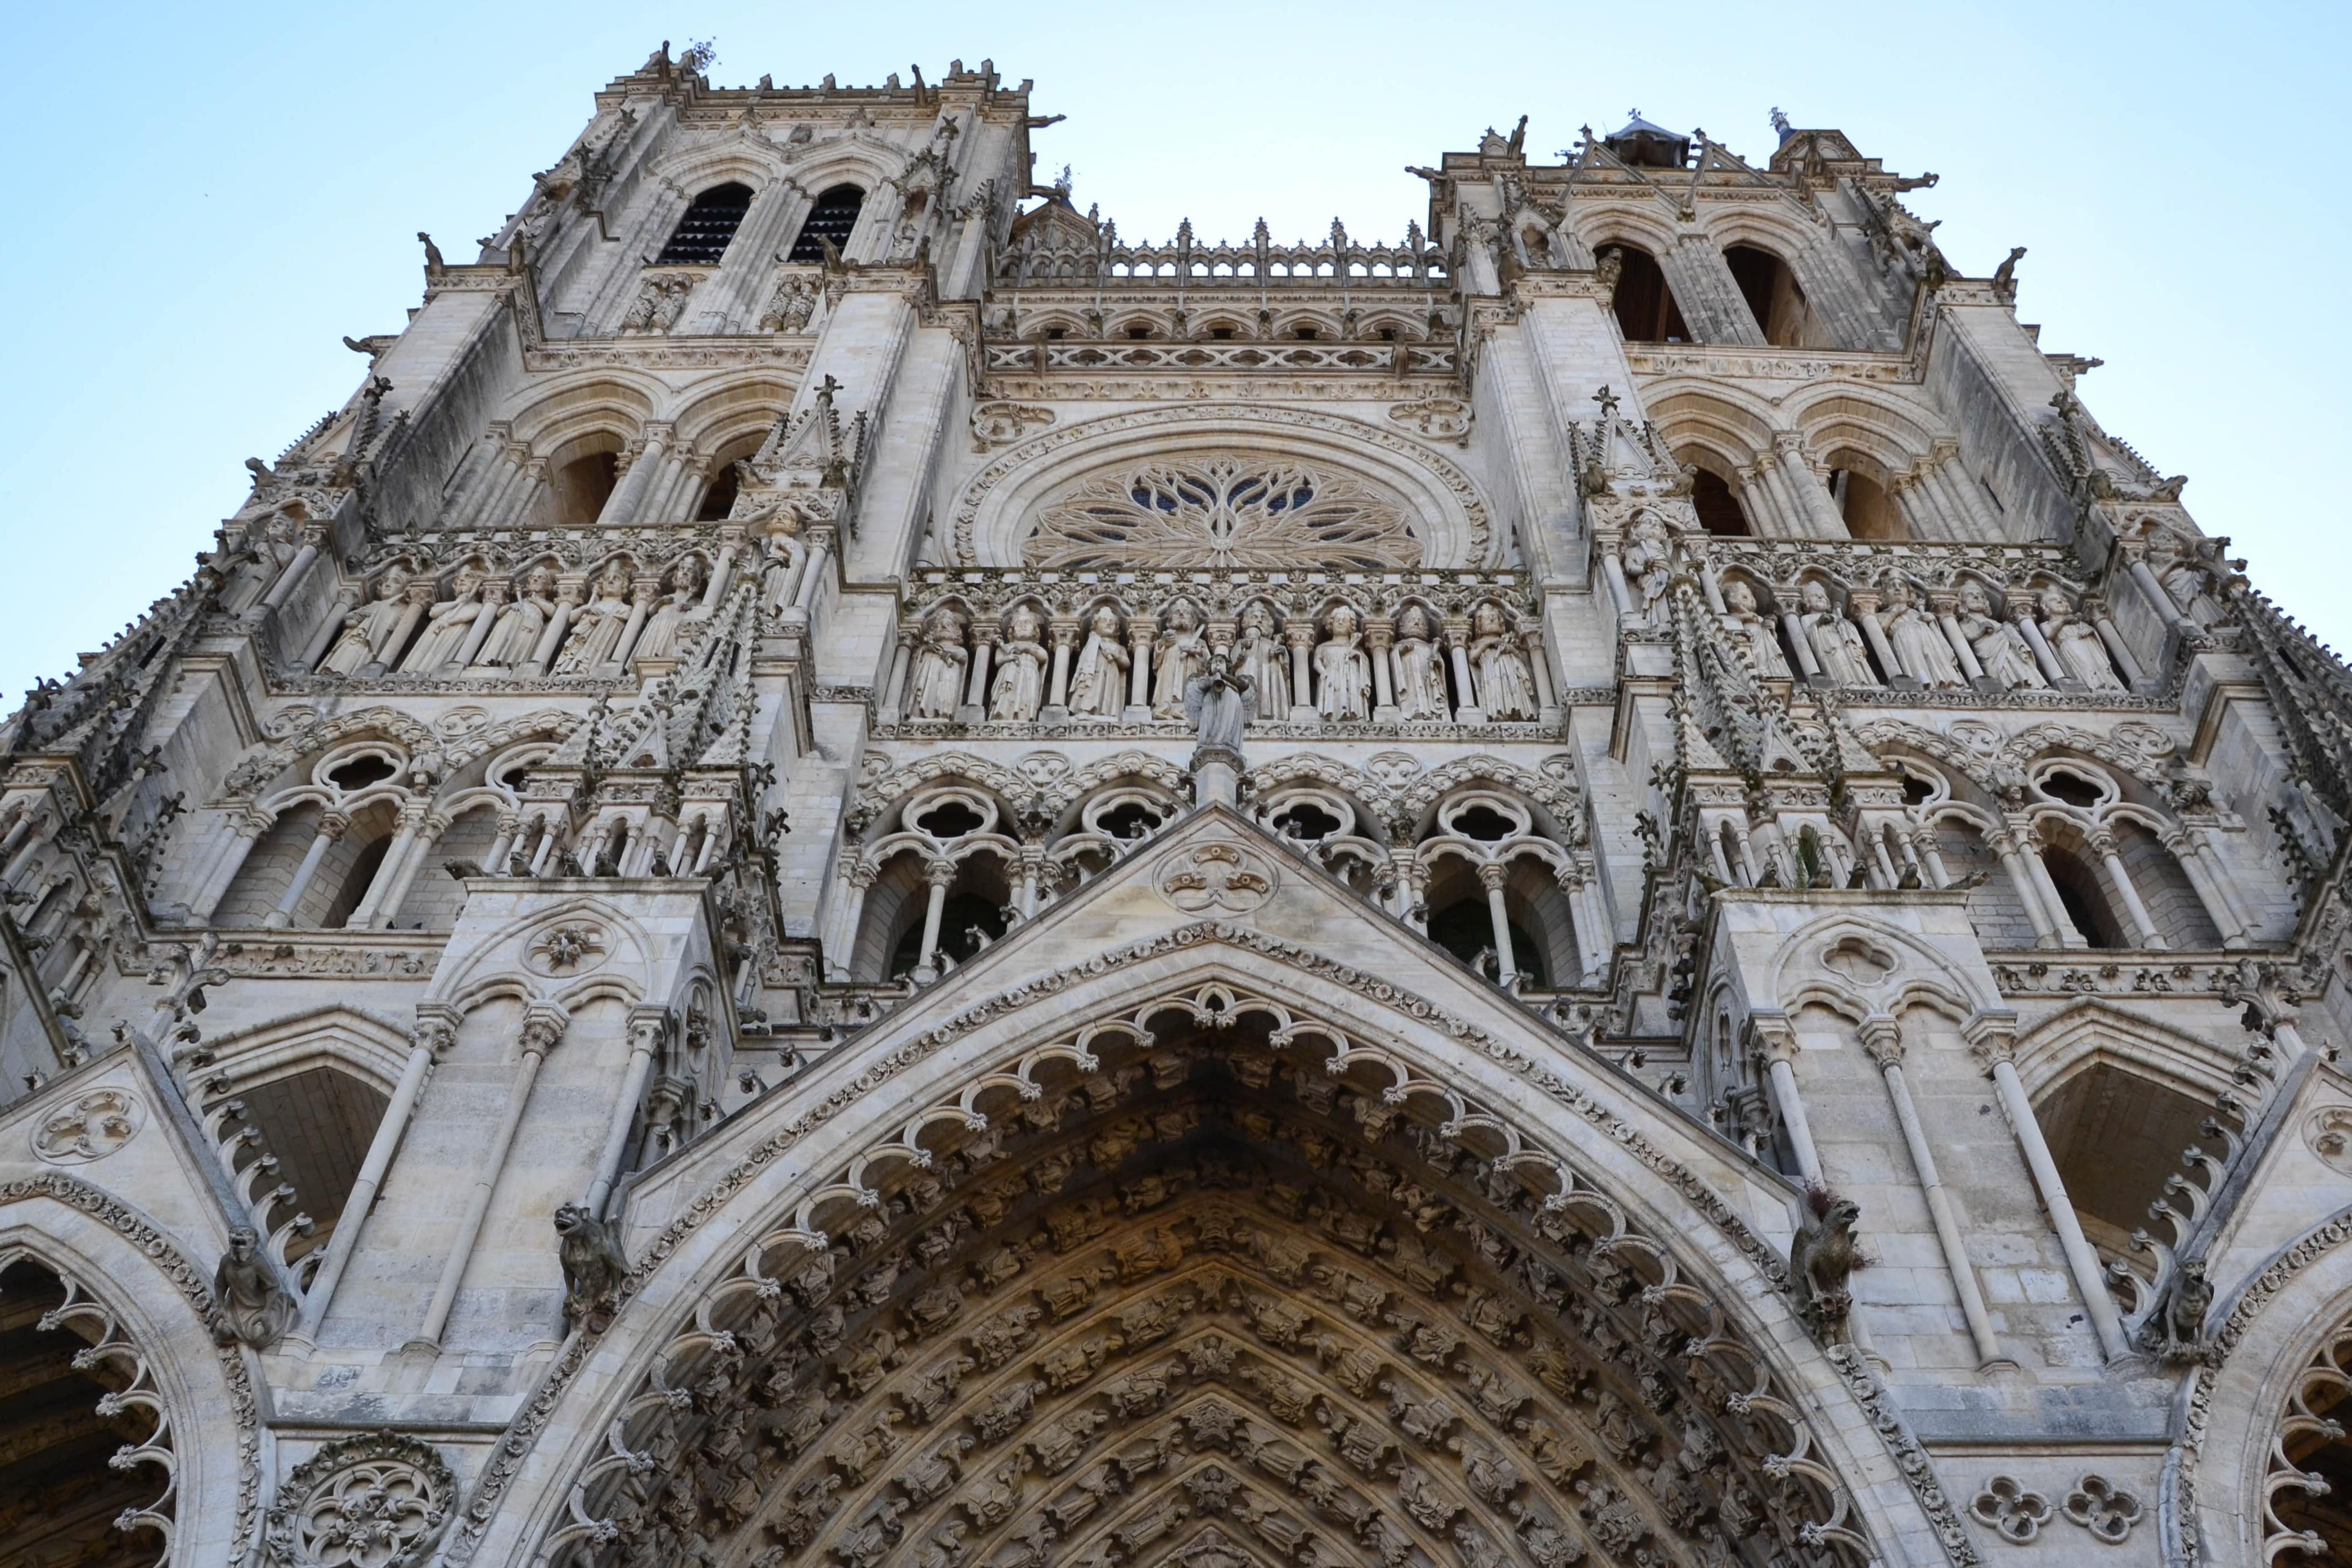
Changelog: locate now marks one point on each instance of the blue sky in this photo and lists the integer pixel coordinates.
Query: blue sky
(206, 201)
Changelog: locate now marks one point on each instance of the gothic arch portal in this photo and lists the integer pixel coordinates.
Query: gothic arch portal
(1151, 1247)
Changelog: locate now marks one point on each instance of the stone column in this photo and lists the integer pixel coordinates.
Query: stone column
(329, 624)
(1457, 651)
(1882, 1036)
(1973, 509)
(1945, 607)
(2202, 864)
(1777, 1043)
(330, 828)
(2159, 600)
(2094, 609)
(1821, 512)
(502, 846)
(542, 1026)
(1931, 854)
(1492, 876)
(937, 874)
(1757, 500)
(1994, 1042)
(629, 496)
(2110, 853)
(1141, 632)
(250, 825)
(295, 570)
(647, 1029)
(2043, 654)
(1801, 646)
(814, 570)
(1057, 691)
(436, 1029)
(722, 570)
(1920, 515)
(2005, 843)
(568, 598)
(894, 686)
(494, 598)
(983, 647)
(1589, 917)
(1865, 612)
(1540, 665)
(428, 835)
(412, 812)
(419, 597)
(1378, 635)
(644, 593)
(2030, 850)
(1301, 638)
(1611, 549)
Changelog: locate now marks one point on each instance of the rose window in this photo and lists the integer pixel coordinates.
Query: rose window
(1232, 513)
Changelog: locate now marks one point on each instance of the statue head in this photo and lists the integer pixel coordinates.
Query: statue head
(1257, 618)
(945, 623)
(393, 583)
(540, 582)
(1898, 593)
(1025, 622)
(1740, 597)
(1489, 619)
(1107, 622)
(467, 579)
(1182, 616)
(1973, 599)
(1219, 666)
(1343, 621)
(2053, 605)
(614, 578)
(688, 574)
(243, 1242)
(569, 1218)
(1413, 622)
(1813, 598)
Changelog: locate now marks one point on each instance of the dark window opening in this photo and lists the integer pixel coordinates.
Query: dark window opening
(2084, 903)
(964, 919)
(719, 499)
(2072, 788)
(1056, 335)
(364, 866)
(1221, 335)
(950, 819)
(1771, 292)
(1484, 823)
(1869, 511)
(1646, 310)
(1719, 510)
(1138, 332)
(583, 487)
(1466, 930)
(1133, 820)
(361, 771)
(1306, 820)
(709, 226)
(1917, 792)
(832, 219)
(1307, 334)
(1388, 334)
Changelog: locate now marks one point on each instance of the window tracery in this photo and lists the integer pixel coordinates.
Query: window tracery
(1227, 512)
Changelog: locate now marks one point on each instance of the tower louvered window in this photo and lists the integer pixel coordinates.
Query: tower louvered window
(832, 218)
(702, 235)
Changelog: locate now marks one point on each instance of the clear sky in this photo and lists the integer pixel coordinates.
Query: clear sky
(206, 199)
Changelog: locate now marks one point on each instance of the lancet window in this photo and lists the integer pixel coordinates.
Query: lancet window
(703, 235)
(831, 221)
(1647, 311)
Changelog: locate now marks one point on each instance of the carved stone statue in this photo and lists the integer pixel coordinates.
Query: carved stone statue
(596, 633)
(1822, 1258)
(1259, 655)
(445, 626)
(1506, 689)
(1919, 644)
(1183, 653)
(1017, 689)
(592, 1267)
(1343, 675)
(1648, 568)
(1999, 646)
(1752, 631)
(1836, 642)
(680, 608)
(1220, 702)
(2176, 1332)
(1099, 683)
(367, 627)
(514, 636)
(255, 1309)
(791, 305)
(2076, 643)
(1420, 668)
(940, 667)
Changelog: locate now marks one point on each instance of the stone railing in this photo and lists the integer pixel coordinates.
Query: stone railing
(1257, 262)
(1213, 355)
(1024, 648)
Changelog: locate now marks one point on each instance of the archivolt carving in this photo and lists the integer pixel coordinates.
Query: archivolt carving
(377, 1501)
(1207, 1260)
(454, 751)
(1223, 510)
(110, 1342)
(1995, 763)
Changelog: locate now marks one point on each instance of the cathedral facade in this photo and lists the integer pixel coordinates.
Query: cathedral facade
(855, 873)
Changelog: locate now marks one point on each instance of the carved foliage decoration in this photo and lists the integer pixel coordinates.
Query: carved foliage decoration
(1223, 511)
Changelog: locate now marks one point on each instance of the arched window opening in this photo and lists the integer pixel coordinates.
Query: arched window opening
(832, 219)
(1719, 510)
(1869, 511)
(1306, 819)
(2116, 1138)
(2085, 903)
(361, 772)
(1773, 296)
(2165, 890)
(1536, 914)
(718, 500)
(358, 873)
(2318, 1442)
(1466, 930)
(63, 1496)
(1132, 820)
(709, 226)
(2072, 788)
(434, 896)
(1995, 908)
(317, 1124)
(1646, 306)
(584, 485)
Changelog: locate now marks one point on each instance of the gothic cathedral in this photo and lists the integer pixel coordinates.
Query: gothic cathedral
(855, 873)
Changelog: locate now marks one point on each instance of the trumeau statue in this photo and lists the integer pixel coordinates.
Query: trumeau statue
(1243, 963)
